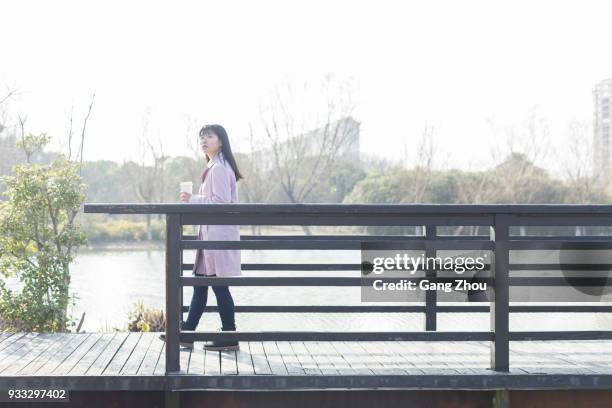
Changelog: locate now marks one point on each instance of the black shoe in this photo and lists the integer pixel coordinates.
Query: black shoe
(187, 344)
(222, 345)
(218, 345)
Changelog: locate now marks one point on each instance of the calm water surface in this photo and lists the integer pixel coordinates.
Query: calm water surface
(108, 282)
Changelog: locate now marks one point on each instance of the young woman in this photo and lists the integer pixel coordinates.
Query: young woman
(218, 187)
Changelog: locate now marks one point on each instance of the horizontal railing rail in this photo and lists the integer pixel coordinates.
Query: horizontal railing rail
(499, 219)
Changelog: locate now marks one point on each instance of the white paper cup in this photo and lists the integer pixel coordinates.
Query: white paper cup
(187, 187)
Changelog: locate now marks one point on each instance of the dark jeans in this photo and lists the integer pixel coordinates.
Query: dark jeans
(198, 304)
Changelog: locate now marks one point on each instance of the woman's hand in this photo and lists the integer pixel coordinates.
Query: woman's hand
(185, 197)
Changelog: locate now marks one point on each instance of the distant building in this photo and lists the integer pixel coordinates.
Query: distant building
(602, 93)
(343, 133)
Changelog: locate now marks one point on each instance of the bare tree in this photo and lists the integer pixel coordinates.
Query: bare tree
(70, 133)
(423, 167)
(518, 161)
(159, 164)
(301, 151)
(191, 138)
(585, 184)
(477, 186)
(9, 151)
(516, 168)
(423, 164)
(583, 181)
(257, 185)
(474, 187)
(22, 122)
(373, 162)
(303, 147)
(10, 93)
(147, 174)
(82, 133)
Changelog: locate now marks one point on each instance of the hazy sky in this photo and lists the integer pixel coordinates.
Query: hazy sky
(470, 69)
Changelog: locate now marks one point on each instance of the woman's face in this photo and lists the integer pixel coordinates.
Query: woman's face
(210, 143)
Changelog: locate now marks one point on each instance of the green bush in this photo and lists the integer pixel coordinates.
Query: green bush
(123, 230)
(38, 240)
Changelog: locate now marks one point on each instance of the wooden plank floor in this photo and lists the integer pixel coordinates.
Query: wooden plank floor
(132, 355)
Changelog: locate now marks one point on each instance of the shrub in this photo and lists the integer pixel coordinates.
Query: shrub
(143, 319)
(38, 240)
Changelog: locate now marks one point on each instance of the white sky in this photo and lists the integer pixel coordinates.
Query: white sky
(456, 65)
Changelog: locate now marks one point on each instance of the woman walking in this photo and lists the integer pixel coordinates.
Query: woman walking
(218, 187)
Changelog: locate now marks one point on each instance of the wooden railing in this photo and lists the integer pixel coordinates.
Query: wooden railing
(499, 219)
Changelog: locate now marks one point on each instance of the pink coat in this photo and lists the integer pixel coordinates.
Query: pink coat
(219, 187)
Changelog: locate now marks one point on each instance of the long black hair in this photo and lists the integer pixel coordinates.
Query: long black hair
(226, 149)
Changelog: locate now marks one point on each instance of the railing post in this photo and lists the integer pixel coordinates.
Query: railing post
(181, 288)
(173, 306)
(430, 295)
(500, 305)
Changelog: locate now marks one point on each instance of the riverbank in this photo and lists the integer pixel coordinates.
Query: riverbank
(119, 246)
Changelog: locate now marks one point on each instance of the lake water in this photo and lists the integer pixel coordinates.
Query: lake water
(108, 282)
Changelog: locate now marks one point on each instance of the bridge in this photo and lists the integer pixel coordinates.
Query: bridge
(498, 365)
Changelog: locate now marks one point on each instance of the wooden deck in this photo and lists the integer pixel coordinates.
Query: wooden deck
(106, 361)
